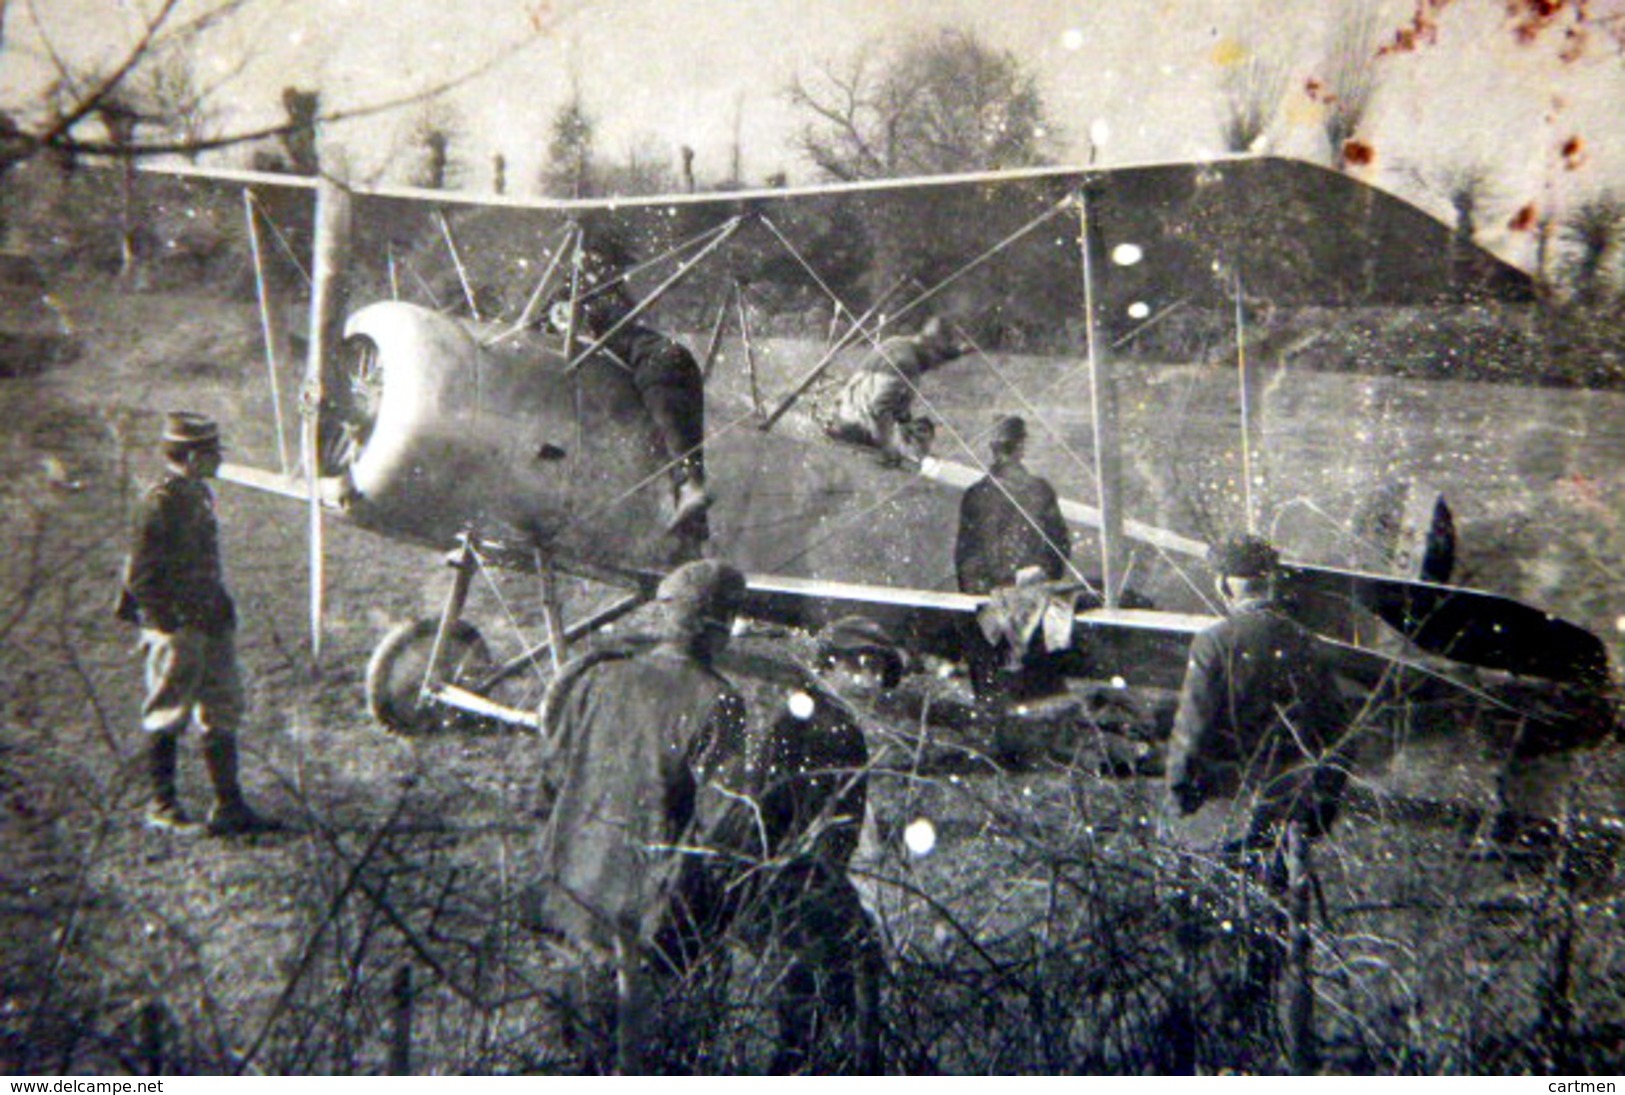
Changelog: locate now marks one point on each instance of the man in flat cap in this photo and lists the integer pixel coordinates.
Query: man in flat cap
(1010, 519)
(787, 824)
(626, 741)
(1260, 720)
(876, 405)
(175, 590)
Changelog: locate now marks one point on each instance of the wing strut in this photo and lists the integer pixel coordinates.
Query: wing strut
(714, 343)
(1244, 378)
(1103, 404)
(457, 261)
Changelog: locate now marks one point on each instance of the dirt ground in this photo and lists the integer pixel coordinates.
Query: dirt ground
(127, 950)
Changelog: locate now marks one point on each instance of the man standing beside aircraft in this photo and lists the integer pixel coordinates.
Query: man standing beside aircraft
(789, 810)
(1260, 723)
(1260, 720)
(876, 406)
(1011, 534)
(627, 740)
(1010, 519)
(671, 821)
(175, 591)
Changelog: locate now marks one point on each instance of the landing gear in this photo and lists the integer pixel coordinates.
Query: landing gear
(399, 668)
(433, 675)
(418, 659)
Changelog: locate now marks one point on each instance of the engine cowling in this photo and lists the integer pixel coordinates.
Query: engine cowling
(449, 432)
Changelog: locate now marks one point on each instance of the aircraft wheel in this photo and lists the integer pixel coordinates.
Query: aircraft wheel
(395, 674)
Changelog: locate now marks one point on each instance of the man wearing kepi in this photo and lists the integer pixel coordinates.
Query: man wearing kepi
(1260, 720)
(175, 591)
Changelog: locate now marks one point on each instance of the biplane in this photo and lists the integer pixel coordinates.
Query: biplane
(442, 406)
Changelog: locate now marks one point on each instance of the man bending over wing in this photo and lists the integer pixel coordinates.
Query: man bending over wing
(876, 407)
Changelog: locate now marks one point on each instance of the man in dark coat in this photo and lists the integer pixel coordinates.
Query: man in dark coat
(1260, 723)
(174, 589)
(790, 811)
(876, 405)
(627, 737)
(627, 741)
(668, 381)
(1009, 520)
(1260, 720)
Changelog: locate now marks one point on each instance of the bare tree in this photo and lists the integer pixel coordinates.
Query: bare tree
(433, 131)
(1350, 82)
(298, 137)
(173, 100)
(46, 121)
(1466, 186)
(1252, 91)
(646, 170)
(944, 102)
(1594, 228)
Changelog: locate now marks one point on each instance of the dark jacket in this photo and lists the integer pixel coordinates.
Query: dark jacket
(656, 359)
(793, 788)
(1259, 717)
(673, 392)
(1004, 530)
(627, 738)
(173, 577)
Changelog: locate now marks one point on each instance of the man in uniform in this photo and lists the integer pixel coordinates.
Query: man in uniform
(1010, 531)
(627, 737)
(668, 381)
(1260, 720)
(175, 591)
(788, 820)
(1260, 723)
(876, 406)
(1010, 519)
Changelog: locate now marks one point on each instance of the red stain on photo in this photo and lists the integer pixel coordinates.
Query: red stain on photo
(1574, 153)
(1524, 219)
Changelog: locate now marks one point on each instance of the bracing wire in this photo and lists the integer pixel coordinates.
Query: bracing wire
(282, 242)
(963, 443)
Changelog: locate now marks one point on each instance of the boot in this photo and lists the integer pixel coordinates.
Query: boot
(692, 501)
(231, 815)
(164, 811)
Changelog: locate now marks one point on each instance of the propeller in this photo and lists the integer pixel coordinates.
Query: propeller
(333, 218)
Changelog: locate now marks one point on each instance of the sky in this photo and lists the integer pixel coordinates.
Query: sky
(1144, 74)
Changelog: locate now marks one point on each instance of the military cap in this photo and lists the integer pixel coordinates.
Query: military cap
(851, 636)
(188, 428)
(1244, 557)
(704, 590)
